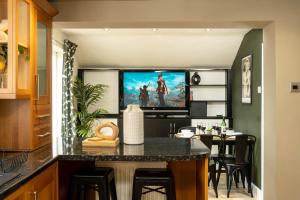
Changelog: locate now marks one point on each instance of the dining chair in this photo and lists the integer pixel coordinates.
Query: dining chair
(207, 139)
(243, 160)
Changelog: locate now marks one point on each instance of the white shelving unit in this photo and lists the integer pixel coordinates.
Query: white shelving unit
(213, 90)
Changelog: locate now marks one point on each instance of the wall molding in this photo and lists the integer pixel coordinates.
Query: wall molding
(257, 193)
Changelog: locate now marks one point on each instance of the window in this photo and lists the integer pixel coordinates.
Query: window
(57, 66)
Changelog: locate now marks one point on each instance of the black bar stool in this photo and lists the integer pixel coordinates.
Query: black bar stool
(145, 177)
(99, 179)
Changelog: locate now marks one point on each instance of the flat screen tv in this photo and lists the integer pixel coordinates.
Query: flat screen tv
(154, 90)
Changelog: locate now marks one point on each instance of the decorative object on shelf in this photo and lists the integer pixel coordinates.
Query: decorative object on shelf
(106, 136)
(196, 79)
(3, 57)
(246, 79)
(113, 129)
(87, 95)
(3, 66)
(3, 37)
(4, 25)
(133, 120)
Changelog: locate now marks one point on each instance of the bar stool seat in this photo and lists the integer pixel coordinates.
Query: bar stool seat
(99, 179)
(146, 177)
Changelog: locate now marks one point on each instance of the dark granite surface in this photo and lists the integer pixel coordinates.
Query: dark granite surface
(154, 149)
(37, 161)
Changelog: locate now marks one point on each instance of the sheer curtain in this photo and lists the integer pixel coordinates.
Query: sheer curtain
(57, 65)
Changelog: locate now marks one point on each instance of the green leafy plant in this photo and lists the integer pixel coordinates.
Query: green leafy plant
(86, 96)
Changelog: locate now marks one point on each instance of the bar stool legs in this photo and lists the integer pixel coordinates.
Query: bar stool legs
(100, 180)
(159, 178)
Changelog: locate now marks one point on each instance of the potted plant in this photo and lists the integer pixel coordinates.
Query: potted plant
(87, 95)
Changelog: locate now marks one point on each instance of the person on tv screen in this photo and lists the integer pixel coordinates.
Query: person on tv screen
(144, 96)
(161, 90)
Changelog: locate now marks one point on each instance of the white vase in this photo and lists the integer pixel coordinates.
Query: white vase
(133, 120)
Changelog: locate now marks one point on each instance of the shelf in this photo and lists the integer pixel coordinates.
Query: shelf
(220, 85)
(211, 117)
(225, 101)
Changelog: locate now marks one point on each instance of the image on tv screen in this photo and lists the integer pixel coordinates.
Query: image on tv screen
(154, 89)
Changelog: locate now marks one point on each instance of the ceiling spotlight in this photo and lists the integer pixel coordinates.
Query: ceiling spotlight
(106, 29)
(155, 29)
(208, 29)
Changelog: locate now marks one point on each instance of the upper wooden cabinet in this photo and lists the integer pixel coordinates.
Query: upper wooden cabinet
(15, 47)
(42, 63)
(25, 74)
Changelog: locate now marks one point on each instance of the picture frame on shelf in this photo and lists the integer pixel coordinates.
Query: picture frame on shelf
(246, 73)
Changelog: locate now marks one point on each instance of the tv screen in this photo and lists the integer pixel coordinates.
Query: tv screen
(154, 89)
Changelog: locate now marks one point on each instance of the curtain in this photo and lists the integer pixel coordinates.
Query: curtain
(68, 118)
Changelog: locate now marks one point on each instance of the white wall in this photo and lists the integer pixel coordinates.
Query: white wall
(163, 47)
(110, 78)
(280, 20)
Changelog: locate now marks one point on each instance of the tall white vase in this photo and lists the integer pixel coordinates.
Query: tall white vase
(133, 121)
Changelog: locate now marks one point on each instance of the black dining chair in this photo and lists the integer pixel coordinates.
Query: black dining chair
(207, 139)
(242, 161)
(220, 140)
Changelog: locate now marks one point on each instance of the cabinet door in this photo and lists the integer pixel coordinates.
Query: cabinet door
(6, 41)
(43, 58)
(45, 184)
(23, 48)
(21, 194)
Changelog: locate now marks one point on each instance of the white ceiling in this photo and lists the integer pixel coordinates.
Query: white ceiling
(156, 47)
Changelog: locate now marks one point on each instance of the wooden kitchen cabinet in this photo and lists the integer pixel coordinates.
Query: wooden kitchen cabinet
(44, 186)
(25, 121)
(20, 194)
(41, 103)
(15, 68)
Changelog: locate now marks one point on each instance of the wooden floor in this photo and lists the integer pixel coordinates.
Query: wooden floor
(235, 193)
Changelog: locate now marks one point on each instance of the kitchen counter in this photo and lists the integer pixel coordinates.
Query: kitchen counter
(154, 149)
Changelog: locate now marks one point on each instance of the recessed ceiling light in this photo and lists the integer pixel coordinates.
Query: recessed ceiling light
(155, 29)
(106, 29)
(208, 29)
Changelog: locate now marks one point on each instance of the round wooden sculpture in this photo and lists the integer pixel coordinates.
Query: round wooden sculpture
(115, 131)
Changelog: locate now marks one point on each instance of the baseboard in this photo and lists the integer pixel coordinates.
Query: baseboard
(257, 193)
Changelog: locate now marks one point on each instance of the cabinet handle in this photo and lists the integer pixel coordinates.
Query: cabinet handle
(37, 80)
(43, 116)
(34, 195)
(174, 126)
(170, 130)
(44, 135)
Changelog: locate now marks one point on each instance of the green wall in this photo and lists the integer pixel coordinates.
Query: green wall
(247, 117)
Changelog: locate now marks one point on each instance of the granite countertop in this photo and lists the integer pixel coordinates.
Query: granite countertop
(153, 149)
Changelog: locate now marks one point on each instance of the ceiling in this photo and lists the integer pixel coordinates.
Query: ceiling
(143, 47)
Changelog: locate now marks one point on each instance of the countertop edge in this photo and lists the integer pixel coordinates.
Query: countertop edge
(25, 178)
